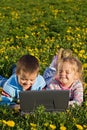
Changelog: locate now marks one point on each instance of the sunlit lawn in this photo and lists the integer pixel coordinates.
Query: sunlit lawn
(41, 28)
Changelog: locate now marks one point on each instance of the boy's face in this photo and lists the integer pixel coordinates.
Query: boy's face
(26, 79)
(66, 74)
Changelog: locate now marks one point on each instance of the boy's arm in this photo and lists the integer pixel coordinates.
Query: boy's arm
(8, 94)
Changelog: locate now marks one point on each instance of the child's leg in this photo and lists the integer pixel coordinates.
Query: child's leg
(13, 68)
(54, 62)
(2, 81)
(49, 74)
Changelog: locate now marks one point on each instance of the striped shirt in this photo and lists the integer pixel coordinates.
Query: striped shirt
(75, 90)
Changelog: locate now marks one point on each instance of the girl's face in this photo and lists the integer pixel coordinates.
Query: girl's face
(26, 79)
(66, 73)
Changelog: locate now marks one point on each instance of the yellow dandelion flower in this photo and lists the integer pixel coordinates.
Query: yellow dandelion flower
(67, 111)
(6, 57)
(77, 28)
(33, 128)
(62, 127)
(78, 35)
(46, 124)
(53, 127)
(33, 125)
(79, 127)
(33, 33)
(85, 126)
(85, 65)
(80, 55)
(82, 51)
(69, 30)
(46, 40)
(4, 121)
(10, 123)
(74, 119)
(26, 36)
(85, 103)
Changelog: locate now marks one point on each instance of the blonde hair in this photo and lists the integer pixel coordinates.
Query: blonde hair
(76, 64)
(63, 53)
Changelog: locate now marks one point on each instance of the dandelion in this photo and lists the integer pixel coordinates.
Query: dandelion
(85, 65)
(26, 36)
(33, 125)
(67, 111)
(46, 124)
(74, 120)
(46, 40)
(10, 123)
(78, 35)
(33, 128)
(85, 126)
(62, 127)
(6, 57)
(3, 121)
(79, 127)
(69, 30)
(53, 127)
(85, 103)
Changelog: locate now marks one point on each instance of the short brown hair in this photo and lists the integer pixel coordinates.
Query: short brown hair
(27, 63)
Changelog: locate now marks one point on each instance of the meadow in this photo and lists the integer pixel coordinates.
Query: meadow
(40, 28)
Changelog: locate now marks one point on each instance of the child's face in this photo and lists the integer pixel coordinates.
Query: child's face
(26, 79)
(66, 74)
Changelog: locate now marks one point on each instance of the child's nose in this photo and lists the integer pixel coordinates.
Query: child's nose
(63, 73)
(28, 81)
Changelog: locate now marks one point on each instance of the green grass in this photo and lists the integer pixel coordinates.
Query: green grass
(41, 28)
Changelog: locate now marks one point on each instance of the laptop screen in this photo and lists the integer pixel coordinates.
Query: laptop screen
(52, 100)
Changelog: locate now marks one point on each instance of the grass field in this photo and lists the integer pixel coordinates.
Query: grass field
(41, 28)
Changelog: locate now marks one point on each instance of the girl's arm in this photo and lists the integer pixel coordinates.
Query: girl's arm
(77, 93)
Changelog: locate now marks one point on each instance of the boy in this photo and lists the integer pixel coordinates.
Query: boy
(26, 78)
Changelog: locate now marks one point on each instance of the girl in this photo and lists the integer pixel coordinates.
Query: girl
(69, 77)
(51, 70)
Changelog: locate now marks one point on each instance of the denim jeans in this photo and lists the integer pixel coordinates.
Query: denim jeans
(49, 74)
(2, 80)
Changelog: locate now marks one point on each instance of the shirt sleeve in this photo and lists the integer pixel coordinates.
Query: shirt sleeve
(9, 92)
(77, 93)
(39, 83)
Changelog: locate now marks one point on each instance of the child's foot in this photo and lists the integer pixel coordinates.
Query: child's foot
(13, 68)
(54, 62)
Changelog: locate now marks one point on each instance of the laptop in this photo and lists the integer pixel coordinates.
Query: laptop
(52, 100)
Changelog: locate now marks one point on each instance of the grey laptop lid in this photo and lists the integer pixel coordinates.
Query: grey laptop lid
(52, 100)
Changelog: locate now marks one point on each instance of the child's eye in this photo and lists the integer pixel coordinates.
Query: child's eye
(60, 71)
(68, 72)
(22, 79)
(32, 80)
